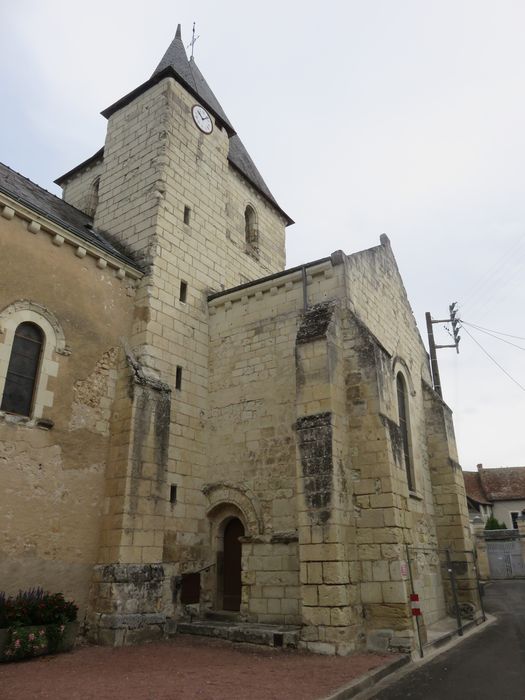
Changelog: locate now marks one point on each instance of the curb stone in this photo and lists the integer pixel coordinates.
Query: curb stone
(368, 680)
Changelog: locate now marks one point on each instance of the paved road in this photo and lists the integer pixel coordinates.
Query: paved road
(488, 666)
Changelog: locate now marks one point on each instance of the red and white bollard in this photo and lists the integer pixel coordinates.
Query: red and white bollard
(414, 604)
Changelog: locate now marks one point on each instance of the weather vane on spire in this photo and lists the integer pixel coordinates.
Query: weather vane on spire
(193, 40)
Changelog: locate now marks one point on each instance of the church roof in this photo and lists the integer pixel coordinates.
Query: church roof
(175, 64)
(58, 211)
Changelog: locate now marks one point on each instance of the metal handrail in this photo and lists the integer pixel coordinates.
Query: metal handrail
(204, 568)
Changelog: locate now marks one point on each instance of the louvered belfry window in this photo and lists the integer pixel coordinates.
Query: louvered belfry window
(23, 368)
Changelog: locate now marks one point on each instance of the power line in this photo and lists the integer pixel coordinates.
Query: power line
(481, 330)
(498, 267)
(491, 330)
(495, 289)
(494, 360)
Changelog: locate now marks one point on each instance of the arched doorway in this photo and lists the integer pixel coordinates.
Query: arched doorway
(231, 583)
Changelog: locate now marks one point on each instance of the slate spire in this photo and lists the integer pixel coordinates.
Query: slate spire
(176, 58)
(175, 62)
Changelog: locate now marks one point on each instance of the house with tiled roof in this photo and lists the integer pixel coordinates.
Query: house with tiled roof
(499, 492)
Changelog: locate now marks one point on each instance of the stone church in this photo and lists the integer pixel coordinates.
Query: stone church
(188, 427)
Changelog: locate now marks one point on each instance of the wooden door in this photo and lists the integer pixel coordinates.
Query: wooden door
(232, 565)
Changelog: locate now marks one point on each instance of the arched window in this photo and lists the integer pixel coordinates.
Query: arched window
(23, 369)
(250, 231)
(404, 427)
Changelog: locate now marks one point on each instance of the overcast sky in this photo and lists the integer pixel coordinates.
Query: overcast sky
(397, 116)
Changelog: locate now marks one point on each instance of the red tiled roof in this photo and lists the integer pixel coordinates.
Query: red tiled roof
(503, 484)
(474, 488)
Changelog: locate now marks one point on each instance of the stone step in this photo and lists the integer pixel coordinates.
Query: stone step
(222, 615)
(250, 633)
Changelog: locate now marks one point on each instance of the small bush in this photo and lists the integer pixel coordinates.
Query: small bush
(494, 524)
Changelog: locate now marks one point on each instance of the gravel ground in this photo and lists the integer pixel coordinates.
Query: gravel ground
(185, 667)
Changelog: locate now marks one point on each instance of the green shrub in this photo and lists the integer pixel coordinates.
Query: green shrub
(494, 524)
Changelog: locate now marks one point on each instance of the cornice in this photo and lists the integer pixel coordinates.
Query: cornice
(59, 236)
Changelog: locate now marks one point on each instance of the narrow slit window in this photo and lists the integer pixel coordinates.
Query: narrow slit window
(173, 493)
(178, 377)
(93, 197)
(187, 213)
(22, 372)
(250, 231)
(404, 424)
(183, 291)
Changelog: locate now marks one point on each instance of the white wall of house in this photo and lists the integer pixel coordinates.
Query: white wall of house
(502, 510)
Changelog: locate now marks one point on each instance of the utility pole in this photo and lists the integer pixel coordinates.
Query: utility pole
(434, 368)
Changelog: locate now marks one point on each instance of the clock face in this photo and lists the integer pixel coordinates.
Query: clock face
(202, 119)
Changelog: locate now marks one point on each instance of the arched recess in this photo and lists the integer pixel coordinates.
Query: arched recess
(226, 498)
(229, 504)
(399, 365)
(25, 311)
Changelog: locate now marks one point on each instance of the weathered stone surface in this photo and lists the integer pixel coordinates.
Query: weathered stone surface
(314, 435)
(315, 322)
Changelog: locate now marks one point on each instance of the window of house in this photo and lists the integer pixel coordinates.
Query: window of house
(514, 515)
(183, 291)
(250, 231)
(404, 426)
(22, 371)
(187, 214)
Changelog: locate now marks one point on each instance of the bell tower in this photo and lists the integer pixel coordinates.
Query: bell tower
(179, 191)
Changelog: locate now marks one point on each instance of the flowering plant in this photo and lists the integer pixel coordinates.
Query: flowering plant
(36, 607)
(36, 621)
(25, 642)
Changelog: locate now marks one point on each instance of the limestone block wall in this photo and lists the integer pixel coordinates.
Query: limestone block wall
(80, 189)
(451, 509)
(270, 577)
(252, 416)
(383, 341)
(53, 473)
(327, 536)
(379, 510)
(252, 411)
(380, 301)
(269, 224)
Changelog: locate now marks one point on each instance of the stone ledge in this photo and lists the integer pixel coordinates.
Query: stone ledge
(130, 621)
